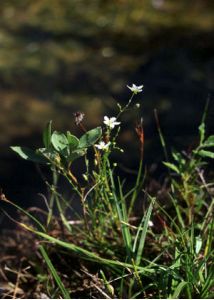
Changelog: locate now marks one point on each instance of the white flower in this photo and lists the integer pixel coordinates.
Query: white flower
(135, 89)
(110, 122)
(150, 223)
(102, 145)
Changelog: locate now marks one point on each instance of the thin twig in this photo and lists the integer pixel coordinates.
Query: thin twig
(17, 281)
(95, 279)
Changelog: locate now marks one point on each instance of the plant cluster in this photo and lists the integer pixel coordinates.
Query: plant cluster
(164, 251)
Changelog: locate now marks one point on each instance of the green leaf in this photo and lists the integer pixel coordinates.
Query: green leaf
(202, 132)
(49, 155)
(178, 290)
(144, 232)
(59, 141)
(29, 154)
(65, 152)
(73, 141)
(47, 135)
(172, 167)
(178, 157)
(205, 153)
(209, 142)
(76, 154)
(90, 137)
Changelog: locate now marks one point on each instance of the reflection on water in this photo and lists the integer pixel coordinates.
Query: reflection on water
(57, 57)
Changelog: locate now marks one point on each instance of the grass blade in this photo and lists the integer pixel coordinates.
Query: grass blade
(54, 273)
(144, 231)
(86, 254)
(26, 213)
(178, 289)
(125, 230)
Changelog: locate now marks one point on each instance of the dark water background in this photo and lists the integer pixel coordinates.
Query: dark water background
(60, 56)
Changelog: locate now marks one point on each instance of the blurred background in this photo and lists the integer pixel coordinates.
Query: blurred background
(62, 56)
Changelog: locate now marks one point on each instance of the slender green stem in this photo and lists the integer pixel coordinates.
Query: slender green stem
(162, 140)
(123, 109)
(53, 195)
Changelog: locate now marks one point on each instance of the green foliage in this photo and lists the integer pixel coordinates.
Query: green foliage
(73, 141)
(162, 251)
(47, 135)
(60, 149)
(142, 238)
(209, 142)
(90, 137)
(59, 141)
(29, 154)
(172, 167)
(207, 154)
